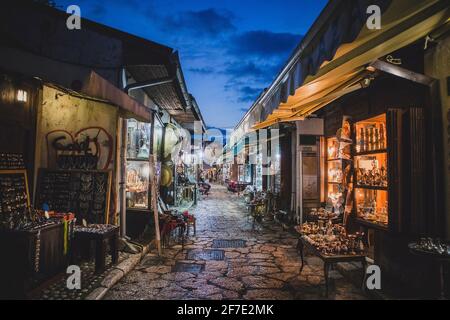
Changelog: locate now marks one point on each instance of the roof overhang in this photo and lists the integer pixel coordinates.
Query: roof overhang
(403, 23)
(96, 86)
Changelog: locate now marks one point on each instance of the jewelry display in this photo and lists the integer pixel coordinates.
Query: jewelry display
(95, 228)
(11, 161)
(13, 192)
(37, 251)
(432, 245)
(85, 193)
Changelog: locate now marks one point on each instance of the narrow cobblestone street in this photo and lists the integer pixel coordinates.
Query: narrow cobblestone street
(265, 267)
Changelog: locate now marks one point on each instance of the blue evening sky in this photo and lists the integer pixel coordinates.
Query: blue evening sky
(230, 50)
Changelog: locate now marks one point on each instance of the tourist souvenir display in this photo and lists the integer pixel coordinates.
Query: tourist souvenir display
(431, 245)
(332, 239)
(95, 228)
(322, 214)
(86, 193)
(11, 161)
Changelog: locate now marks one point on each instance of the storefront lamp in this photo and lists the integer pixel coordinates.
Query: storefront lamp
(22, 95)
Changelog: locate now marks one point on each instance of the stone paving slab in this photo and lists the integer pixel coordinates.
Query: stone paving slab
(265, 265)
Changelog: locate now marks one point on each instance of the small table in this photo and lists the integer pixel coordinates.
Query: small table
(109, 235)
(441, 259)
(329, 260)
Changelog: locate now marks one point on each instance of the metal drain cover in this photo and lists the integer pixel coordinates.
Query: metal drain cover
(188, 267)
(217, 255)
(223, 243)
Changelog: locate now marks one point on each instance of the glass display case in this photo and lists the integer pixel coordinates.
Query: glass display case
(138, 140)
(372, 206)
(138, 184)
(371, 135)
(138, 166)
(335, 184)
(371, 172)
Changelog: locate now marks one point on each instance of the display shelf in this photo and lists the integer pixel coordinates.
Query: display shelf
(372, 152)
(371, 187)
(372, 224)
(371, 173)
(371, 135)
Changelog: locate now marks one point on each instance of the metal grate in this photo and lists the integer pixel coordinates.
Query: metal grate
(217, 255)
(222, 243)
(188, 267)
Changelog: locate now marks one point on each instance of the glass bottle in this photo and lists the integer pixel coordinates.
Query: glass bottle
(382, 137)
(367, 140)
(377, 140)
(371, 139)
(361, 140)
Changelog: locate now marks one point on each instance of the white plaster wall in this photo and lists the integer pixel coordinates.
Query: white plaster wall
(62, 112)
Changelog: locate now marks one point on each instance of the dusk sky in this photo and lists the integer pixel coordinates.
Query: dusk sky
(230, 50)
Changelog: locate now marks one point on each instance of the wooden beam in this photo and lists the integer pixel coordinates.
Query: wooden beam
(402, 73)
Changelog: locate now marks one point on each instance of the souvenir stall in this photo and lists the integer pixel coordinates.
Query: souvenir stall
(143, 140)
(61, 172)
(376, 170)
(33, 247)
(76, 138)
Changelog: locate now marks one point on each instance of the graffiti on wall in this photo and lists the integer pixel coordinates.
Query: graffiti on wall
(90, 148)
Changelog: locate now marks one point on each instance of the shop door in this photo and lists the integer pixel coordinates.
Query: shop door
(308, 179)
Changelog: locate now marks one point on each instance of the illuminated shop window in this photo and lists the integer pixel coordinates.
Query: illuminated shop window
(22, 96)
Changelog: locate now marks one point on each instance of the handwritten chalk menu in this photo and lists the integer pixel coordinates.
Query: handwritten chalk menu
(11, 161)
(86, 193)
(14, 194)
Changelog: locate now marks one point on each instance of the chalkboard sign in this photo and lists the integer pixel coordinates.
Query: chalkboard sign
(14, 194)
(11, 161)
(85, 193)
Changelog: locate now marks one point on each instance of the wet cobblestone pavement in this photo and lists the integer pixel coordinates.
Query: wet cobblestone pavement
(266, 267)
(57, 290)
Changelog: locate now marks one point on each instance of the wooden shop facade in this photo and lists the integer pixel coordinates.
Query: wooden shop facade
(367, 112)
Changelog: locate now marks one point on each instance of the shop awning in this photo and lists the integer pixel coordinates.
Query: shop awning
(403, 22)
(315, 95)
(96, 86)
